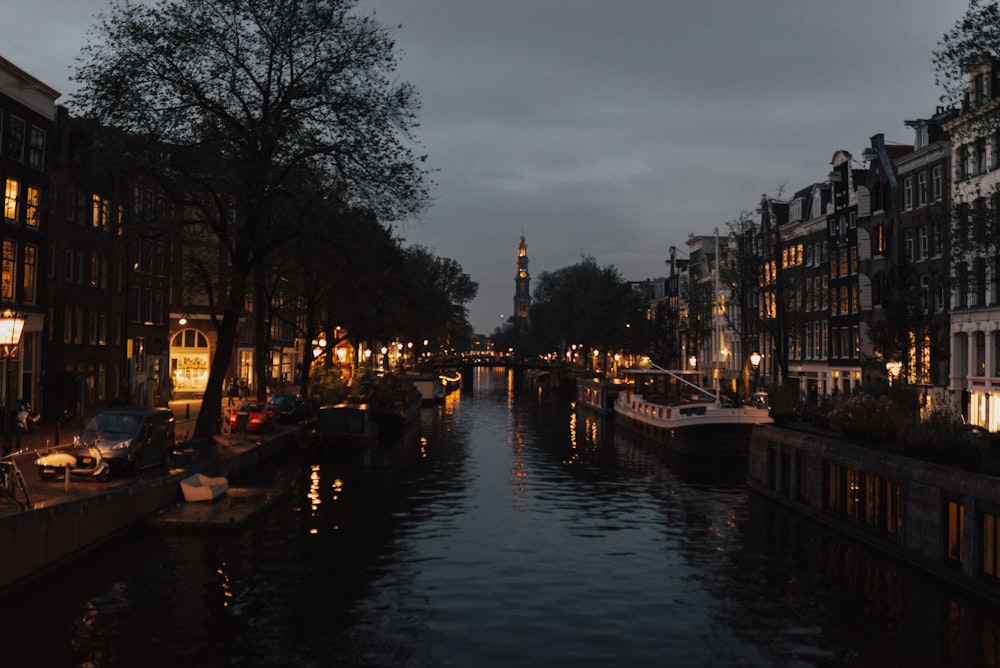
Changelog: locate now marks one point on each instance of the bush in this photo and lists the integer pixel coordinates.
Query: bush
(864, 419)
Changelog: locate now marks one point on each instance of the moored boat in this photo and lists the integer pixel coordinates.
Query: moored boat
(341, 426)
(451, 379)
(430, 387)
(399, 410)
(598, 394)
(671, 406)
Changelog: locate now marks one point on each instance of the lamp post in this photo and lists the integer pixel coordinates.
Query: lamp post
(893, 368)
(11, 326)
(755, 358)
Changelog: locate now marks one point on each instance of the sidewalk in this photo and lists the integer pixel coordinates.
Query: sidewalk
(50, 435)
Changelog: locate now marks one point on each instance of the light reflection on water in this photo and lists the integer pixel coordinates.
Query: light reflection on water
(507, 529)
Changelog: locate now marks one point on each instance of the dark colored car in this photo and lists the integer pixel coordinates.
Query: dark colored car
(288, 407)
(131, 439)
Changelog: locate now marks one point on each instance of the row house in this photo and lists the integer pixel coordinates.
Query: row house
(106, 320)
(108, 284)
(924, 218)
(974, 383)
(794, 311)
(27, 122)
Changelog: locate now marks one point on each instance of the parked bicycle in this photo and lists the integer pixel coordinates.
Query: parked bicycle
(12, 484)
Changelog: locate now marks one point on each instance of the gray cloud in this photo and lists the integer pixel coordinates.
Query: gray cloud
(613, 128)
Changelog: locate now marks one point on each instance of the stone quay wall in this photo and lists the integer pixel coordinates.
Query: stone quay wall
(51, 533)
(899, 505)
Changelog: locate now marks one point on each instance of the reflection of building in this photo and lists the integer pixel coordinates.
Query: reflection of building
(522, 290)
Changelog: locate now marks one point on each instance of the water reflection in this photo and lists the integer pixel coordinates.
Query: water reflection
(506, 527)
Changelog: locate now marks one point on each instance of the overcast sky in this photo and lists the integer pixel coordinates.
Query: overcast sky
(616, 128)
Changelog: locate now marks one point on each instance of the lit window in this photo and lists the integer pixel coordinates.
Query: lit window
(7, 270)
(31, 207)
(30, 272)
(10, 200)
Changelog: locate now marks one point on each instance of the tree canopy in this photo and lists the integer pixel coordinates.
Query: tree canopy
(240, 101)
(973, 38)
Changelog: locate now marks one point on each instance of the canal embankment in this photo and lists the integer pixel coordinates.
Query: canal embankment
(944, 520)
(66, 518)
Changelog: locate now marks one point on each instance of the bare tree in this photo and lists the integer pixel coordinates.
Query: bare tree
(237, 100)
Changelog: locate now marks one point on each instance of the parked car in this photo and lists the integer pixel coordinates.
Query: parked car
(252, 417)
(131, 439)
(288, 407)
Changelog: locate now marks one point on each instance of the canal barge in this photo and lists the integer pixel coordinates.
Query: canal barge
(671, 406)
(598, 394)
(940, 519)
(339, 427)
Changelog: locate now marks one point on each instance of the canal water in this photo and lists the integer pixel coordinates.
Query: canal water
(507, 529)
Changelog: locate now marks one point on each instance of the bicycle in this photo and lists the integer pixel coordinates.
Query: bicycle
(12, 483)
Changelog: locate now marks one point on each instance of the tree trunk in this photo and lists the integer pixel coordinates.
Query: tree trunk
(206, 426)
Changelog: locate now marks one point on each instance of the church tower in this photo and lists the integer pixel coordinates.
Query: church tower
(522, 292)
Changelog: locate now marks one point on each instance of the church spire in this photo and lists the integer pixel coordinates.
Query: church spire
(522, 291)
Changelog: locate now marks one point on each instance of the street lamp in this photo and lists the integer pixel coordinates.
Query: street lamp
(893, 368)
(755, 358)
(693, 361)
(11, 326)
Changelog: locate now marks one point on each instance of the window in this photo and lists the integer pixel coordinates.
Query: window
(30, 272)
(925, 293)
(68, 324)
(979, 276)
(7, 270)
(923, 243)
(13, 139)
(962, 163)
(980, 354)
(908, 193)
(922, 189)
(991, 544)
(845, 264)
(10, 194)
(955, 528)
(980, 156)
(95, 268)
(938, 239)
(908, 246)
(31, 207)
(878, 237)
(937, 187)
(36, 148)
(101, 210)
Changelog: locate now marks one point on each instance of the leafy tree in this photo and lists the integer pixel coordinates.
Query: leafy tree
(974, 37)
(237, 100)
(584, 304)
(432, 294)
(739, 271)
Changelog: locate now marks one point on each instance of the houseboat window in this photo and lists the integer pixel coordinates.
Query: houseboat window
(872, 505)
(832, 486)
(893, 514)
(955, 527)
(854, 490)
(991, 544)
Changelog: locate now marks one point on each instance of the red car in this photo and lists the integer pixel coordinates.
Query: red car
(254, 415)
